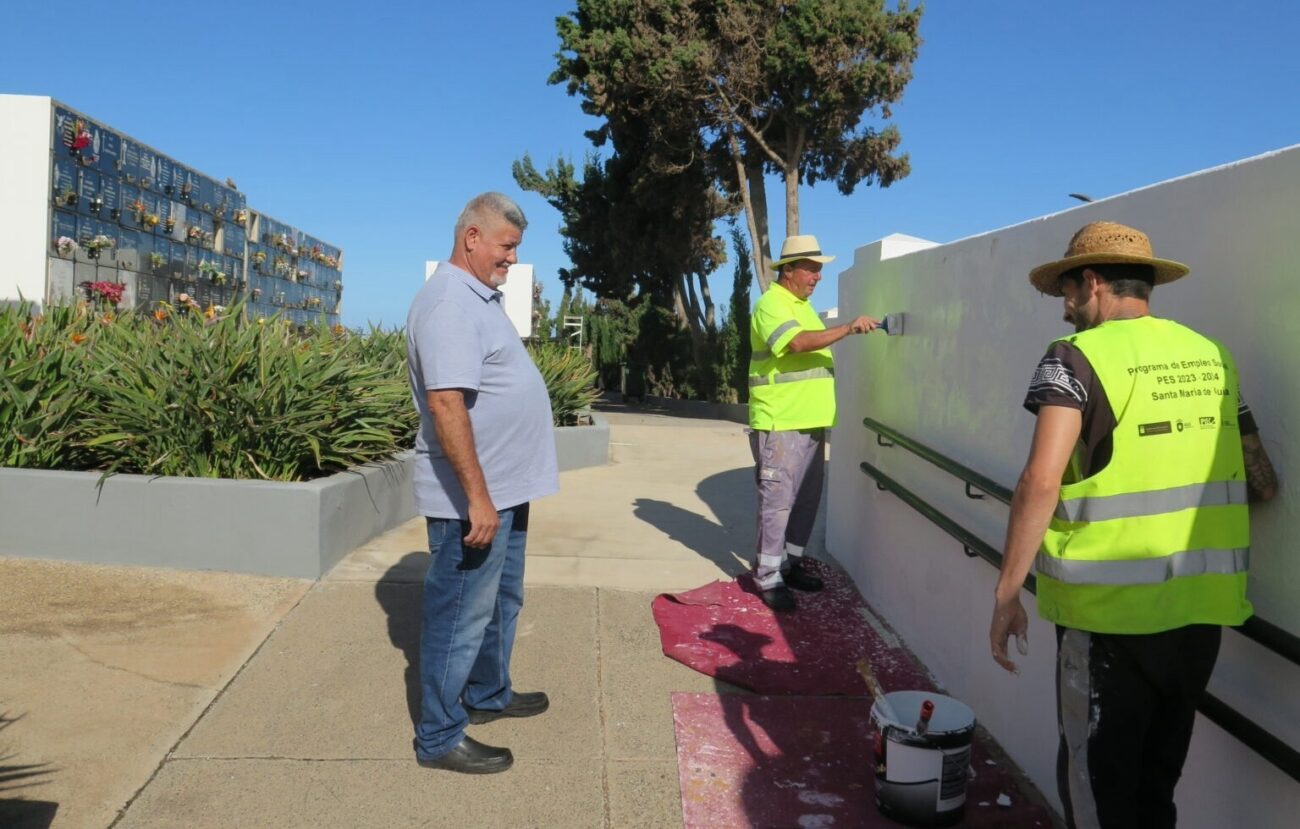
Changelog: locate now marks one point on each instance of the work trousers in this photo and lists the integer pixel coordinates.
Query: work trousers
(1125, 707)
(788, 470)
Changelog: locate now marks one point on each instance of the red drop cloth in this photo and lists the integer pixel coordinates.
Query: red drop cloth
(724, 630)
(784, 762)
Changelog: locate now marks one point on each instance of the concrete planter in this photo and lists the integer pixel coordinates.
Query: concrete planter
(299, 530)
(278, 529)
(579, 446)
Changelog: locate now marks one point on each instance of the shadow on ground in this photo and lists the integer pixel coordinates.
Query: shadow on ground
(399, 594)
(726, 541)
(16, 811)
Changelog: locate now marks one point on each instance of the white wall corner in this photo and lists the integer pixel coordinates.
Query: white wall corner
(25, 141)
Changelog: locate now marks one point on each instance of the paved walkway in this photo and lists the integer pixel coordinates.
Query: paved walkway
(166, 699)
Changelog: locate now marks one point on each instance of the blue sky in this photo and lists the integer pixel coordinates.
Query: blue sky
(370, 124)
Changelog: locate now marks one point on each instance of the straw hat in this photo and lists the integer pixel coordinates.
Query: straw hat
(1105, 242)
(801, 247)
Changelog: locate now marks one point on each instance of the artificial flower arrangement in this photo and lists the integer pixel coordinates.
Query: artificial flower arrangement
(65, 245)
(213, 272)
(241, 217)
(99, 243)
(157, 260)
(109, 293)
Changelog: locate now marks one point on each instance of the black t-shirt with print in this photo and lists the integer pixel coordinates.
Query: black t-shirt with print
(1064, 377)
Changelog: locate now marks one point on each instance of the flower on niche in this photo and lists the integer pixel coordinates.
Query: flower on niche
(80, 136)
(65, 245)
(110, 292)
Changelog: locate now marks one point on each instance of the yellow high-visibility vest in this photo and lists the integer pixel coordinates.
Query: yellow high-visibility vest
(788, 391)
(1159, 538)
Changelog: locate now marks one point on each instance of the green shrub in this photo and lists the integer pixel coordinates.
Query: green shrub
(198, 397)
(570, 380)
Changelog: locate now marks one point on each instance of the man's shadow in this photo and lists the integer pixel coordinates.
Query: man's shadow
(16, 811)
(400, 592)
(725, 540)
(748, 716)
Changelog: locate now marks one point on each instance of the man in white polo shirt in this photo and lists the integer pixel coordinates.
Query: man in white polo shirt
(485, 449)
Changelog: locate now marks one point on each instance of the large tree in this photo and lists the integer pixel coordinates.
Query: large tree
(630, 228)
(767, 87)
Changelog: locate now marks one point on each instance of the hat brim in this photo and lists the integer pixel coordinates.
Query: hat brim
(1046, 278)
(776, 266)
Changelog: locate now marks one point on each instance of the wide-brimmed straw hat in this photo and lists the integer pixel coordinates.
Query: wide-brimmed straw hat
(801, 247)
(1105, 242)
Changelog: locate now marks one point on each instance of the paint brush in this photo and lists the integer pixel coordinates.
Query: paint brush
(882, 705)
(892, 324)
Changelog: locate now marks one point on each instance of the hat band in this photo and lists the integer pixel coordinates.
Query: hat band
(803, 254)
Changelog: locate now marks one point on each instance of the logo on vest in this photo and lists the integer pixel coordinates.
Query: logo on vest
(1207, 422)
(1164, 427)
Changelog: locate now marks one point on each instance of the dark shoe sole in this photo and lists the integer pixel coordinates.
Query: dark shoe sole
(481, 717)
(805, 586)
(484, 768)
(780, 602)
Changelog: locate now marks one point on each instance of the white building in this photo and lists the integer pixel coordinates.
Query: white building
(84, 203)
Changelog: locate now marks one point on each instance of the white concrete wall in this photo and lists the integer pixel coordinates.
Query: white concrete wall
(955, 380)
(517, 295)
(25, 142)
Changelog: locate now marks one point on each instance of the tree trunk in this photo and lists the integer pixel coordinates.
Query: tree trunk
(791, 173)
(758, 248)
(763, 241)
(710, 325)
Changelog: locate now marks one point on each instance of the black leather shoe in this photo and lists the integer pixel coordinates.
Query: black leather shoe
(800, 579)
(528, 704)
(778, 598)
(472, 757)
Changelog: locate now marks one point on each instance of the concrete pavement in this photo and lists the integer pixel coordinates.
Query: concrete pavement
(220, 700)
(168, 699)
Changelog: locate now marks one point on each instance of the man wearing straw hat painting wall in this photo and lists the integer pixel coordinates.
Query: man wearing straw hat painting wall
(1133, 508)
(791, 404)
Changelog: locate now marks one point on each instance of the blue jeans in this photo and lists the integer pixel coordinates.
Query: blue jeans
(472, 599)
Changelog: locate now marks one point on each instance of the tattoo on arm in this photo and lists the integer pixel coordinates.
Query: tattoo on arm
(1261, 480)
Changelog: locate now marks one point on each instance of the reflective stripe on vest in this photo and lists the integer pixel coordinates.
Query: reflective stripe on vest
(792, 376)
(1145, 570)
(759, 356)
(781, 329)
(1155, 502)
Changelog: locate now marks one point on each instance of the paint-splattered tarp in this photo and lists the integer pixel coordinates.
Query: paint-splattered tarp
(724, 630)
(791, 761)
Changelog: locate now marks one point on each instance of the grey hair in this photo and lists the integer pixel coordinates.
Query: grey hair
(487, 206)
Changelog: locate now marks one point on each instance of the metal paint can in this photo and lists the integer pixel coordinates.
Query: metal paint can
(921, 778)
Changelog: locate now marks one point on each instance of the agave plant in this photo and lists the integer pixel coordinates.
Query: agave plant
(570, 380)
(184, 394)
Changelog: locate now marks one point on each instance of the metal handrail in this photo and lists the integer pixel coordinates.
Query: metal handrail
(1282, 642)
(944, 462)
(1250, 733)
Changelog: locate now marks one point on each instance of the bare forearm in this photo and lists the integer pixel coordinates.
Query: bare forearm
(456, 436)
(813, 340)
(1031, 512)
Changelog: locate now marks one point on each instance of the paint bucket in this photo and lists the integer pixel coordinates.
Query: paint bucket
(921, 777)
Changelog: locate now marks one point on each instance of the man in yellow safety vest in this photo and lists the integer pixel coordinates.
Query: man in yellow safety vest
(791, 404)
(1133, 506)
